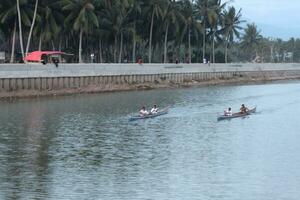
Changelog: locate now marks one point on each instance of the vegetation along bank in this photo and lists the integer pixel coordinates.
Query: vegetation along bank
(121, 31)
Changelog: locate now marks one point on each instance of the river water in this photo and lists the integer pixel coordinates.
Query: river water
(83, 147)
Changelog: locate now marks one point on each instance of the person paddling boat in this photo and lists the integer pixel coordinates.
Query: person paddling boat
(243, 109)
(228, 112)
(154, 109)
(143, 112)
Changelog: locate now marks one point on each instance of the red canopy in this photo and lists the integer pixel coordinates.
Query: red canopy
(36, 56)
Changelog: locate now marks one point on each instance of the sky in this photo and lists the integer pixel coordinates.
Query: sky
(274, 18)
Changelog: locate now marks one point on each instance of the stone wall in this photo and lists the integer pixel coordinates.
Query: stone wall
(36, 79)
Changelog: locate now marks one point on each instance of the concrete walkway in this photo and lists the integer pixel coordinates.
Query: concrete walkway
(76, 70)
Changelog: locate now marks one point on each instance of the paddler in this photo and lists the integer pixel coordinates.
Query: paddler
(143, 111)
(243, 109)
(228, 112)
(154, 109)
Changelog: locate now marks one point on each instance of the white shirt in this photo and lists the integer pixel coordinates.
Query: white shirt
(227, 113)
(154, 110)
(144, 112)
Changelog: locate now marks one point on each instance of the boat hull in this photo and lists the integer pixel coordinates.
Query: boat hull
(159, 113)
(236, 115)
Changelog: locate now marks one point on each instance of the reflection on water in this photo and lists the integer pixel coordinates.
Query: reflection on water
(83, 147)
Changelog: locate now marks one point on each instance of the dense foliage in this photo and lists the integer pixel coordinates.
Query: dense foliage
(126, 30)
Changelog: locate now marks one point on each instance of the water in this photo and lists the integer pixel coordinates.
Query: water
(83, 147)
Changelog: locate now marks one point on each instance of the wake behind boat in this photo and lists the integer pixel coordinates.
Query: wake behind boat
(235, 115)
(150, 115)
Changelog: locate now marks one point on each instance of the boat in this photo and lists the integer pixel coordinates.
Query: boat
(235, 115)
(159, 113)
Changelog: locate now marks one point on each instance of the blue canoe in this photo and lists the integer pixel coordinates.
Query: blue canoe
(159, 113)
(235, 115)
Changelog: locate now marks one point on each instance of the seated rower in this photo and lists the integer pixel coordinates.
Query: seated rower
(228, 112)
(143, 111)
(154, 109)
(243, 109)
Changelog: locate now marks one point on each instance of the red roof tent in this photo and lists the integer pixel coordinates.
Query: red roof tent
(36, 56)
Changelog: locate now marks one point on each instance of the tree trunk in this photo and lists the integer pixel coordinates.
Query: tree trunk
(134, 45)
(190, 51)
(67, 42)
(150, 38)
(20, 29)
(115, 49)
(13, 44)
(213, 46)
(60, 43)
(59, 48)
(166, 43)
(226, 49)
(40, 43)
(271, 53)
(121, 48)
(80, 46)
(100, 51)
(32, 25)
(204, 40)
(53, 47)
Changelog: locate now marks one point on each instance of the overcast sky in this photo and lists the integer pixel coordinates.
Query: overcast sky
(275, 18)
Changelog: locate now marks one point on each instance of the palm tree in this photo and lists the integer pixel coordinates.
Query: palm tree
(170, 17)
(251, 39)
(8, 15)
(20, 28)
(105, 32)
(231, 21)
(112, 22)
(81, 14)
(49, 22)
(201, 11)
(156, 8)
(191, 24)
(11, 13)
(124, 7)
(134, 14)
(32, 25)
(213, 16)
(2, 37)
(117, 27)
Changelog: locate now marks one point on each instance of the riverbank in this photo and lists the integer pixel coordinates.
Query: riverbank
(19, 81)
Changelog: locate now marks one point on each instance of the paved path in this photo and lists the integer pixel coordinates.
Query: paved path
(75, 70)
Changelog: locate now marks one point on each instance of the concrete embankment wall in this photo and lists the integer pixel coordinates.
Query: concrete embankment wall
(37, 79)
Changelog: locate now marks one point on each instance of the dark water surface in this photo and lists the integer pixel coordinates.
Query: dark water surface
(83, 147)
